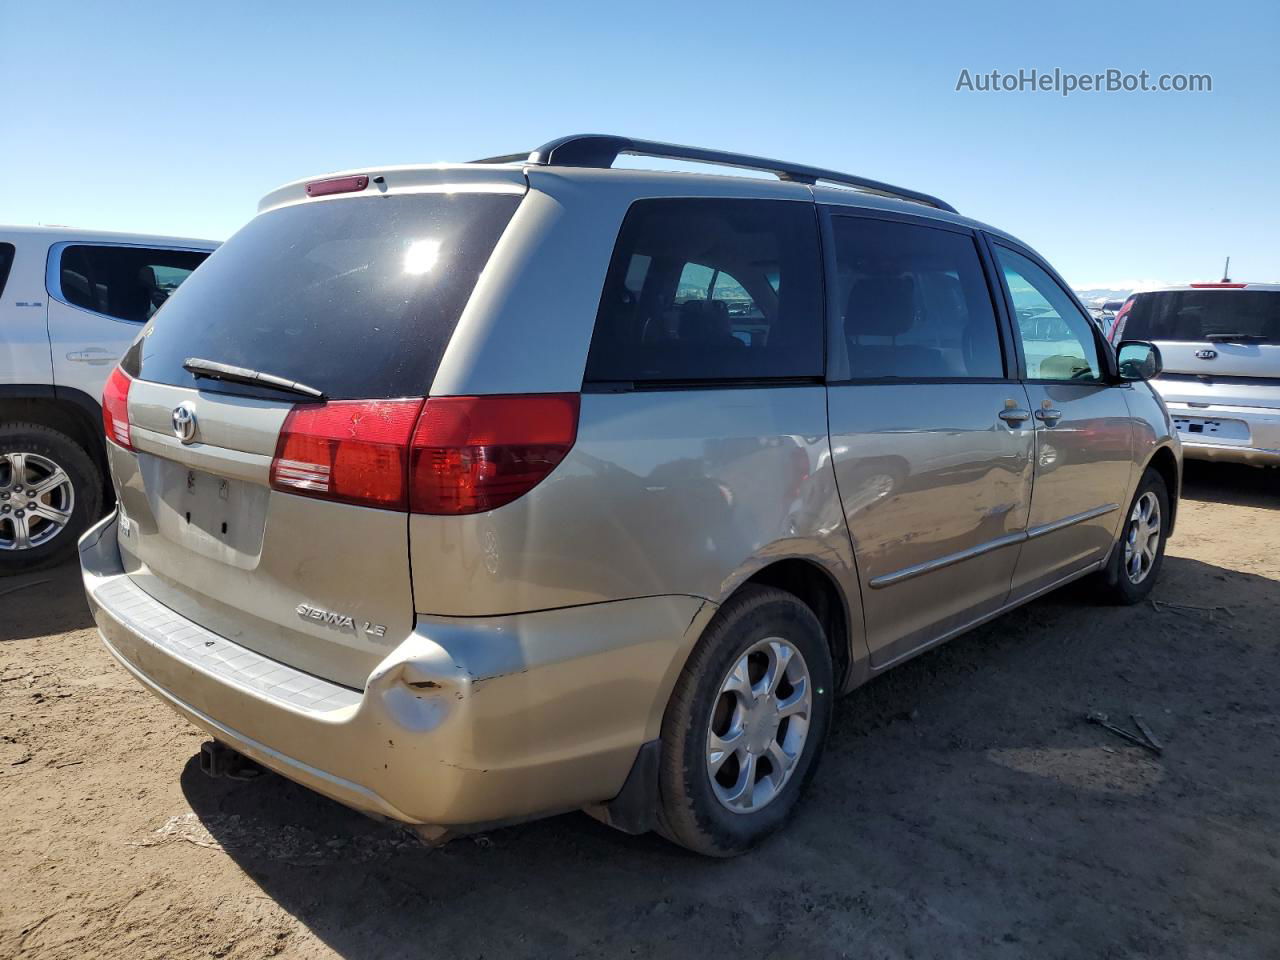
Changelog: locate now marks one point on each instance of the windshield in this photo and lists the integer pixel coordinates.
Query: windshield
(356, 297)
(1205, 314)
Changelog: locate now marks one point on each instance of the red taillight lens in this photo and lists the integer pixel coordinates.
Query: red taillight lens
(472, 454)
(466, 455)
(1118, 322)
(115, 408)
(353, 451)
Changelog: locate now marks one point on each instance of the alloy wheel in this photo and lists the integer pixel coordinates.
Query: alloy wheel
(759, 725)
(36, 500)
(1142, 538)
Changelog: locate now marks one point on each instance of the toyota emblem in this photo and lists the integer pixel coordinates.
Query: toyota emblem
(184, 422)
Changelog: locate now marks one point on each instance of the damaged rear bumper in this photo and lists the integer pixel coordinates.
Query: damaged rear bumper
(468, 722)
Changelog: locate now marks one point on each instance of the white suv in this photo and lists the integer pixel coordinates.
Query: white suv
(1220, 344)
(71, 302)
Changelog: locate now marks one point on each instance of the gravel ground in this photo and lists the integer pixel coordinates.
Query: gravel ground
(963, 807)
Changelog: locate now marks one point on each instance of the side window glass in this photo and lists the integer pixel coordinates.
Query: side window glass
(695, 283)
(913, 304)
(6, 261)
(1057, 340)
(746, 319)
(128, 283)
(711, 289)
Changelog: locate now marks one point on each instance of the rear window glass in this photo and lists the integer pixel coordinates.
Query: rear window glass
(711, 289)
(128, 283)
(1204, 314)
(356, 297)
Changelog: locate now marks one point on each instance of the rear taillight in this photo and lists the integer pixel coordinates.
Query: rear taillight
(472, 454)
(354, 451)
(115, 408)
(1118, 322)
(449, 455)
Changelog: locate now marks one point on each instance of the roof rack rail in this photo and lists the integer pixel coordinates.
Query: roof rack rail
(600, 150)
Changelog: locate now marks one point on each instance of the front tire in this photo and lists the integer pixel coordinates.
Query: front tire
(50, 491)
(745, 726)
(1137, 557)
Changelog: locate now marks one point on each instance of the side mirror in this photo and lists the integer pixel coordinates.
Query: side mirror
(1139, 360)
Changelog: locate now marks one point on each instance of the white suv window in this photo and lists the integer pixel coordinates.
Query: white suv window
(128, 283)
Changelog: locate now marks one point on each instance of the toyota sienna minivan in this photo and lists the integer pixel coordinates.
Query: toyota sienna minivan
(468, 494)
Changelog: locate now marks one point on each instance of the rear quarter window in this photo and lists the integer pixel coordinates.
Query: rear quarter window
(705, 290)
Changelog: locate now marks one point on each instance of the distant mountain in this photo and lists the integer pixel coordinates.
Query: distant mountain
(1098, 295)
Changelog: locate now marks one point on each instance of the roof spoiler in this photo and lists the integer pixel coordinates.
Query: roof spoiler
(600, 150)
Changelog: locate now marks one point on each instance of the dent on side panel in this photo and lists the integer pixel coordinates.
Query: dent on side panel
(679, 492)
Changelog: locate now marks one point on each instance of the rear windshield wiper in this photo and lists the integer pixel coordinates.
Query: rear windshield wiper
(225, 371)
(1237, 337)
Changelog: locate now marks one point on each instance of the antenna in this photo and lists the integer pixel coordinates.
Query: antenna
(1226, 271)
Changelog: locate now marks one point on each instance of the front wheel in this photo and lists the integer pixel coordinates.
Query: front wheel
(745, 726)
(1138, 556)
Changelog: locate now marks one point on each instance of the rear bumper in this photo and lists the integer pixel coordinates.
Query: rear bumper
(468, 722)
(1247, 435)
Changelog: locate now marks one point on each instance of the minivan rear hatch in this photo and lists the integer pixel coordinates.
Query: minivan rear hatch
(1222, 341)
(355, 297)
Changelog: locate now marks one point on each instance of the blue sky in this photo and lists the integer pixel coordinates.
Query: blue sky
(174, 117)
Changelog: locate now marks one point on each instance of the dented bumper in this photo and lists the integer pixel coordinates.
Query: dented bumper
(468, 721)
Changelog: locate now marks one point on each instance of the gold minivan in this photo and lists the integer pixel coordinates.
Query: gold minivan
(467, 494)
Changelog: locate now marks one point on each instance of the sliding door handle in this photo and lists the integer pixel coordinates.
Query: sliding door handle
(1048, 416)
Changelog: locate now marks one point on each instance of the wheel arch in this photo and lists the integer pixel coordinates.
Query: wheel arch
(69, 411)
(1165, 462)
(818, 590)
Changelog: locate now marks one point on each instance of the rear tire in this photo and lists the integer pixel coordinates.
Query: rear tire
(42, 474)
(760, 683)
(1136, 559)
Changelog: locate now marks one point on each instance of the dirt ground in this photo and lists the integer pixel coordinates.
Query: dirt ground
(963, 808)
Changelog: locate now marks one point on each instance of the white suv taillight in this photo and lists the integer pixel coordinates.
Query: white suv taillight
(447, 455)
(115, 408)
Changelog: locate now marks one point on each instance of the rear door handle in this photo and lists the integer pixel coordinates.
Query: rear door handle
(94, 355)
(1014, 415)
(1048, 416)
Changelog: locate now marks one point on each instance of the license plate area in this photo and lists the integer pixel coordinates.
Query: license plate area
(216, 517)
(1212, 429)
